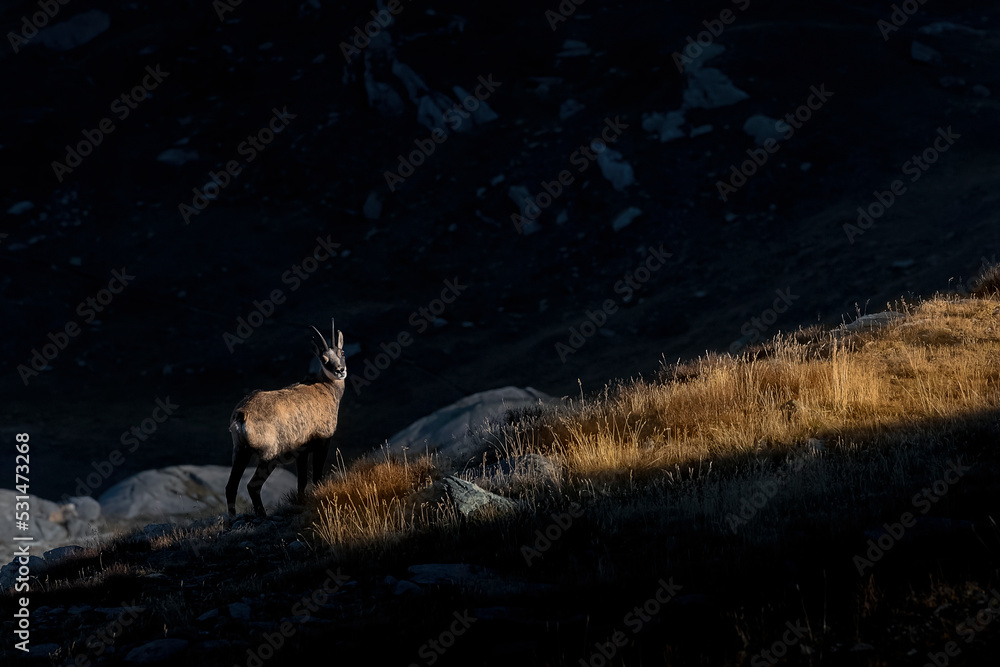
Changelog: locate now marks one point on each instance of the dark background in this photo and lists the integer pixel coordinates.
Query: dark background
(163, 335)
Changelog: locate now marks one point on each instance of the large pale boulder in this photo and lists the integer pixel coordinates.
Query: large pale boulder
(179, 491)
(449, 430)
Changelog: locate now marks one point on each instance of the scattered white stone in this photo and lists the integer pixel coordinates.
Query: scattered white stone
(573, 48)
(430, 112)
(700, 130)
(381, 96)
(75, 32)
(177, 156)
(709, 88)
(980, 90)
(156, 651)
(239, 610)
(805, 166)
(625, 218)
(569, 108)
(945, 26)
(415, 86)
(614, 168)
(668, 126)
(762, 128)
(482, 114)
(924, 54)
(373, 206)
(20, 207)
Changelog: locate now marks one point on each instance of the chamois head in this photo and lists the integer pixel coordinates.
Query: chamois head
(332, 361)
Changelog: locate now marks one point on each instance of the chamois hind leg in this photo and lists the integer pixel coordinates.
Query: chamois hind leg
(241, 457)
(302, 470)
(264, 470)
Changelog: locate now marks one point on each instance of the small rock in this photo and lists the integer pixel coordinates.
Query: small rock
(78, 609)
(614, 168)
(373, 206)
(573, 48)
(469, 498)
(75, 32)
(20, 207)
(903, 263)
(297, 548)
(569, 108)
(668, 127)
(405, 586)
(177, 156)
(54, 555)
(980, 90)
(762, 128)
(240, 611)
(156, 651)
(625, 218)
(209, 615)
(924, 54)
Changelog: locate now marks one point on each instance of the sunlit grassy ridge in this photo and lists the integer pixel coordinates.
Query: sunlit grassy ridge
(870, 409)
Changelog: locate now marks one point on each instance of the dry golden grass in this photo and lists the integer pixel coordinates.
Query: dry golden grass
(374, 503)
(705, 435)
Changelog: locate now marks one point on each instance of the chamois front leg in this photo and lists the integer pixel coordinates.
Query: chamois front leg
(319, 458)
(302, 471)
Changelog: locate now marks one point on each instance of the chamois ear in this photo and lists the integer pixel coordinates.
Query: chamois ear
(340, 340)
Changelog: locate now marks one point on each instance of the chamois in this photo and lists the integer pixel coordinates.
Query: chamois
(294, 421)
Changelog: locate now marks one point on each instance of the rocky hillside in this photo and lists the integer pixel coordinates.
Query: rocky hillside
(198, 183)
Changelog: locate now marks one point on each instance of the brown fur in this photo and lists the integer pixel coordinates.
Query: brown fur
(294, 422)
(284, 419)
